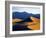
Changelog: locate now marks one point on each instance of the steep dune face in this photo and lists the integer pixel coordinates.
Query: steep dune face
(35, 25)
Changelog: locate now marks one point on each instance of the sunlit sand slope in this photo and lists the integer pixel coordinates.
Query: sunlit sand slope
(35, 25)
(16, 20)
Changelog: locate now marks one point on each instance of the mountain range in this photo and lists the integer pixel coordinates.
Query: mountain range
(24, 15)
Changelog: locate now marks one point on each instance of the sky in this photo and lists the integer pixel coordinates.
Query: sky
(32, 10)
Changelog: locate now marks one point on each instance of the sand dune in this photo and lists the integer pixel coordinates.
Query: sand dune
(16, 20)
(35, 25)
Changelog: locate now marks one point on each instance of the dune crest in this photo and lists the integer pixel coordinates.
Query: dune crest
(35, 25)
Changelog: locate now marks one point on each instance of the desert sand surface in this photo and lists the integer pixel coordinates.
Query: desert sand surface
(35, 25)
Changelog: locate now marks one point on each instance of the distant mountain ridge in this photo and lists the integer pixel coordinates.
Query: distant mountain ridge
(23, 15)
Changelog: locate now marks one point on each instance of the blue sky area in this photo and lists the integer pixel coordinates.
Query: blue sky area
(32, 10)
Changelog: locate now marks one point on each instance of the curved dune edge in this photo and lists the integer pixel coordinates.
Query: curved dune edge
(35, 25)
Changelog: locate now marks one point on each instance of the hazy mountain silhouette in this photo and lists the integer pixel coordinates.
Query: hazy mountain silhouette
(24, 15)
